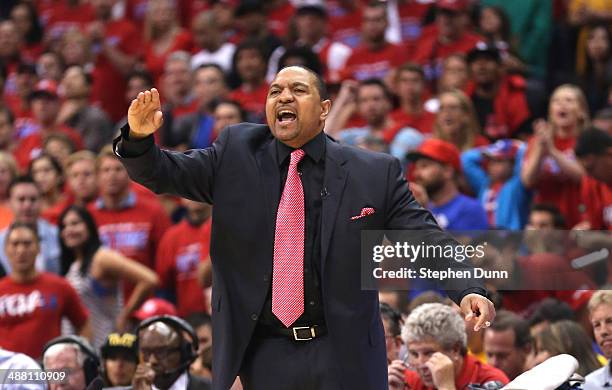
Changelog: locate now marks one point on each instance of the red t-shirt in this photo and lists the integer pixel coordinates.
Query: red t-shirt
(31, 313)
(278, 18)
(134, 230)
(474, 372)
(423, 122)
(31, 146)
(252, 101)
(597, 201)
(108, 83)
(136, 11)
(510, 109)
(430, 53)
(411, 15)
(155, 62)
(180, 251)
(365, 64)
(58, 18)
(345, 25)
(554, 187)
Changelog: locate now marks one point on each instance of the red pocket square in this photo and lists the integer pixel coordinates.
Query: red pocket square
(364, 212)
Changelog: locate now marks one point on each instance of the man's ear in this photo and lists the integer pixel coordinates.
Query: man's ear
(325, 108)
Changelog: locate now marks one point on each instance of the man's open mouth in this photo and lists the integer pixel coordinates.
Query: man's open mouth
(286, 116)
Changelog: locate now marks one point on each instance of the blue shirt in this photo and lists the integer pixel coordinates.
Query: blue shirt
(461, 213)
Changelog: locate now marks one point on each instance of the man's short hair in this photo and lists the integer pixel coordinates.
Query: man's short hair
(18, 225)
(142, 75)
(413, 68)
(56, 349)
(180, 56)
(81, 155)
(199, 319)
(210, 65)
(558, 219)
(551, 310)
(593, 141)
(22, 179)
(377, 4)
(436, 322)
(393, 317)
(601, 297)
(212, 106)
(505, 320)
(106, 152)
(379, 83)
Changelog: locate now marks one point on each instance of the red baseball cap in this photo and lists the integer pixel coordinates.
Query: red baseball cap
(453, 5)
(438, 150)
(154, 307)
(45, 87)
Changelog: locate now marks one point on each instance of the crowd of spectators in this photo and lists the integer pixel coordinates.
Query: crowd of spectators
(500, 113)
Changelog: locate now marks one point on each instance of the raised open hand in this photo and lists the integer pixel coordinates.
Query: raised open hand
(144, 114)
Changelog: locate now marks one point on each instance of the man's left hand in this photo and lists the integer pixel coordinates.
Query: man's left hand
(478, 308)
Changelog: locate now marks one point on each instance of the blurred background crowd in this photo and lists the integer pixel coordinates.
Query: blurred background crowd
(500, 112)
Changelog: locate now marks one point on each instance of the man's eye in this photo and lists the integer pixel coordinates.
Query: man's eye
(274, 92)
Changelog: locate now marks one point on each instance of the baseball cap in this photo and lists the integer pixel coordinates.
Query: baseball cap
(438, 150)
(502, 149)
(120, 342)
(483, 49)
(46, 88)
(311, 7)
(453, 5)
(154, 307)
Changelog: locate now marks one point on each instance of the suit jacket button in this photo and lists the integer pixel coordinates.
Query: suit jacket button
(254, 317)
(266, 278)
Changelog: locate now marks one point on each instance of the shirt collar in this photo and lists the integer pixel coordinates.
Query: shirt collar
(179, 384)
(315, 149)
(128, 202)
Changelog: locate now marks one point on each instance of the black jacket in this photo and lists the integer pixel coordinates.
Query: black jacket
(240, 177)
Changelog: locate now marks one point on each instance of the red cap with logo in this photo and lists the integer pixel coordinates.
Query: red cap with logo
(154, 307)
(438, 150)
(45, 87)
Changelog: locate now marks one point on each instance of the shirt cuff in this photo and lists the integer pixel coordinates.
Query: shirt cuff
(473, 290)
(126, 147)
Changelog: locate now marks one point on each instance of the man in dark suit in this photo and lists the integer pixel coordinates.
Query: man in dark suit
(167, 346)
(288, 308)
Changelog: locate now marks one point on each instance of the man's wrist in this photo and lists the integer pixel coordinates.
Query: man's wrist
(127, 146)
(474, 290)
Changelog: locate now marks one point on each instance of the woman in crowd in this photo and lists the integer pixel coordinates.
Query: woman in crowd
(163, 36)
(595, 71)
(96, 273)
(48, 174)
(25, 17)
(550, 167)
(494, 24)
(456, 121)
(564, 337)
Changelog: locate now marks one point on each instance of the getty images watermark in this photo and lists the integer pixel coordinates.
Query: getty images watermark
(407, 252)
(504, 260)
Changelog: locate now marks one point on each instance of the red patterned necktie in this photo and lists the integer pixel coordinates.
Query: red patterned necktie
(288, 273)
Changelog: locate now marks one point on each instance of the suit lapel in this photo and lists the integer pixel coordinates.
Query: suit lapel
(333, 182)
(270, 181)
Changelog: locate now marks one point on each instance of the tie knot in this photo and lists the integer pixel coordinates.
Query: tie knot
(296, 156)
